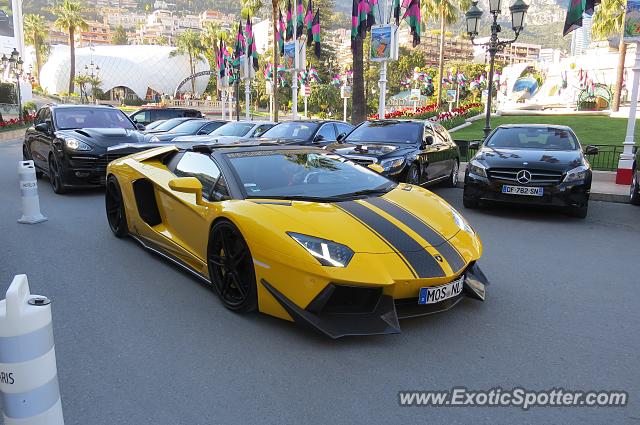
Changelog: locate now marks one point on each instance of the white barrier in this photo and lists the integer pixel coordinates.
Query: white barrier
(29, 392)
(29, 192)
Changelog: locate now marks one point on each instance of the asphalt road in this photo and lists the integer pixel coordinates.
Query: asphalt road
(140, 342)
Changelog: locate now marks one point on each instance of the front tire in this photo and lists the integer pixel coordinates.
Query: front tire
(470, 203)
(413, 175)
(55, 176)
(231, 268)
(579, 211)
(114, 204)
(634, 197)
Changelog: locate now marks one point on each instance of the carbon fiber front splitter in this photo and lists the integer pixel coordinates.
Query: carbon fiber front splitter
(384, 319)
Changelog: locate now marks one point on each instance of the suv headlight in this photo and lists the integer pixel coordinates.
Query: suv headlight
(475, 167)
(328, 253)
(577, 174)
(76, 145)
(391, 163)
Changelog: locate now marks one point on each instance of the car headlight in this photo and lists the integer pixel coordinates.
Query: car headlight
(154, 139)
(391, 163)
(76, 145)
(577, 174)
(461, 222)
(475, 167)
(328, 253)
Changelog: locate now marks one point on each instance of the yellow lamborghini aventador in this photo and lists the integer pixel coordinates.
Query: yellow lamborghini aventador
(298, 233)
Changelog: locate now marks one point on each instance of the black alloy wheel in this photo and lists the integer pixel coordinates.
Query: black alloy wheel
(231, 268)
(580, 211)
(634, 196)
(413, 175)
(114, 204)
(54, 175)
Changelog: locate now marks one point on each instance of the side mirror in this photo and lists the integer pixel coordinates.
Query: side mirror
(426, 142)
(591, 150)
(319, 138)
(141, 127)
(474, 144)
(43, 127)
(187, 185)
(341, 137)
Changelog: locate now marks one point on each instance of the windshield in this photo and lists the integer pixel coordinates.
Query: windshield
(169, 124)
(303, 174)
(533, 138)
(188, 127)
(292, 130)
(154, 124)
(386, 132)
(234, 129)
(70, 118)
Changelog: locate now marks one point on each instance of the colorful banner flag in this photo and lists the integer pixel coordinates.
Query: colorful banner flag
(308, 22)
(397, 11)
(238, 51)
(289, 21)
(317, 48)
(252, 52)
(413, 17)
(299, 19)
(281, 33)
(575, 11)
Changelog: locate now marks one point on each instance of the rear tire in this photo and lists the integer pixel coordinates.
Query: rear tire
(231, 268)
(634, 197)
(116, 215)
(455, 175)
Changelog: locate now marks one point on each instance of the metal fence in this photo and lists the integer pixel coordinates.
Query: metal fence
(605, 160)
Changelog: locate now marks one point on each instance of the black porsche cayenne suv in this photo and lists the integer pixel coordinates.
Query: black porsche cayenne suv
(530, 164)
(72, 143)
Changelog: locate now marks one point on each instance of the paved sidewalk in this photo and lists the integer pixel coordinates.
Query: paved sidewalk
(603, 187)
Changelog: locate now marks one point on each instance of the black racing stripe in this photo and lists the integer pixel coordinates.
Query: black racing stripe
(425, 231)
(422, 262)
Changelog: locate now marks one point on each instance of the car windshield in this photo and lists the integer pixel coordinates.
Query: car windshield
(304, 174)
(292, 130)
(188, 127)
(169, 124)
(544, 138)
(69, 118)
(234, 129)
(386, 132)
(154, 124)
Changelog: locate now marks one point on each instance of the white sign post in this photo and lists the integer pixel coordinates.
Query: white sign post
(345, 93)
(384, 48)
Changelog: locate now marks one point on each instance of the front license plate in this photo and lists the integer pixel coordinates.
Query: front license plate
(522, 190)
(435, 294)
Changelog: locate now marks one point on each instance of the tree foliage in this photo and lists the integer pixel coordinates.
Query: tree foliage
(120, 36)
(69, 18)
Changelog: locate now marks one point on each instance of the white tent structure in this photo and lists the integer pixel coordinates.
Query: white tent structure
(136, 67)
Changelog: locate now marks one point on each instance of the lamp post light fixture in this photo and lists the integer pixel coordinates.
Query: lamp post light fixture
(518, 11)
(12, 66)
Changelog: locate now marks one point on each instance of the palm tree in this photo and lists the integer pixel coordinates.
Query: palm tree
(188, 43)
(447, 12)
(211, 35)
(35, 34)
(70, 19)
(275, 7)
(607, 21)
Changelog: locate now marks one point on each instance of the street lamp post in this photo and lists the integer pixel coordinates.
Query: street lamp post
(14, 65)
(518, 11)
(92, 72)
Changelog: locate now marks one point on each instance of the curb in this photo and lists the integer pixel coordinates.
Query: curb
(12, 135)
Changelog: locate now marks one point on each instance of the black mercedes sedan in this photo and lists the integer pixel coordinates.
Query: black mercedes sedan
(530, 164)
(307, 132)
(71, 143)
(410, 151)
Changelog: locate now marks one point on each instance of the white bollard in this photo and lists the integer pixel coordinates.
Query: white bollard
(29, 192)
(29, 392)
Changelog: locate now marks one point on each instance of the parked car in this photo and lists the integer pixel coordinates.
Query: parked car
(410, 151)
(307, 132)
(153, 125)
(168, 125)
(530, 164)
(634, 192)
(146, 116)
(194, 127)
(231, 132)
(70, 143)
